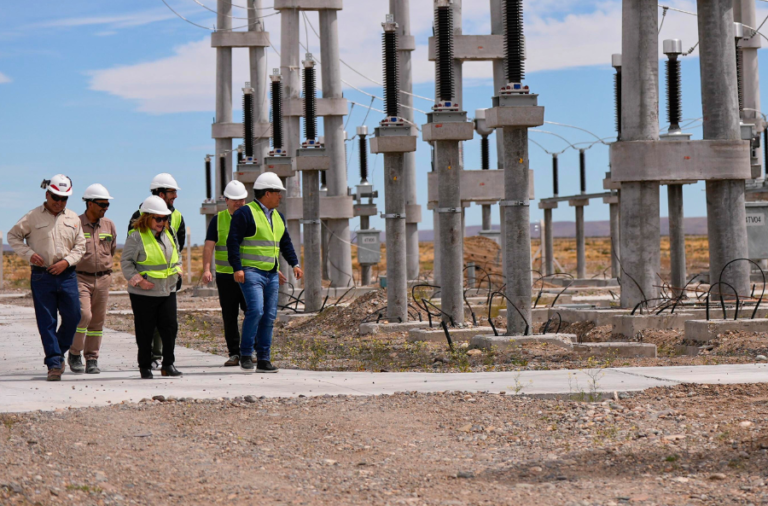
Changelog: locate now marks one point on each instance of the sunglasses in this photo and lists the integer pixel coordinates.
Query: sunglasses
(103, 205)
(57, 198)
(160, 219)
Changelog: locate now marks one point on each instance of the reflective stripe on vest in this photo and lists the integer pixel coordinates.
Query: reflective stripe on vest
(156, 265)
(223, 221)
(263, 249)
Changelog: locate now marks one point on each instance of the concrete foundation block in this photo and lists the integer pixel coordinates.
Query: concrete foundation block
(487, 342)
(629, 326)
(448, 131)
(616, 350)
(369, 329)
(520, 116)
(610, 282)
(599, 317)
(702, 331)
(596, 300)
(393, 144)
(436, 334)
(538, 315)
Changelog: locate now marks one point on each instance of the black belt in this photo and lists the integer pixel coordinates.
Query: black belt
(36, 268)
(96, 274)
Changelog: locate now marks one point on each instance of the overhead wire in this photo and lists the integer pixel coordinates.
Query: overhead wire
(215, 29)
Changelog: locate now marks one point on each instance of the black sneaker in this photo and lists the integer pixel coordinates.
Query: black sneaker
(265, 366)
(75, 363)
(246, 364)
(92, 366)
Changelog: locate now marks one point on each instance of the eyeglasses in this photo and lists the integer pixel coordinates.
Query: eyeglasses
(57, 198)
(103, 205)
(160, 219)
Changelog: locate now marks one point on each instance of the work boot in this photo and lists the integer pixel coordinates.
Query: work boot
(265, 366)
(234, 360)
(54, 373)
(246, 364)
(146, 373)
(91, 366)
(170, 370)
(75, 363)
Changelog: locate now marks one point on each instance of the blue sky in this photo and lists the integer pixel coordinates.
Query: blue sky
(115, 92)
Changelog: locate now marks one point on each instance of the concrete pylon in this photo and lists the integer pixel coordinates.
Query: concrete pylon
(223, 95)
(640, 229)
(726, 211)
(259, 81)
(744, 12)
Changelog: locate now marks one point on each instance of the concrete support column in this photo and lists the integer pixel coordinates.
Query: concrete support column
(397, 270)
(676, 237)
(517, 250)
(402, 12)
(487, 219)
(436, 269)
(223, 95)
(726, 212)
(615, 241)
(640, 236)
(451, 243)
(549, 244)
(313, 283)
(581, 246)
(258, 60)
(365, 270)
(499, 79)
(339, 243)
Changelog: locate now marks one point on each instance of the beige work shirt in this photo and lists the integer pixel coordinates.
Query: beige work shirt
(52, 237)
(99, 247)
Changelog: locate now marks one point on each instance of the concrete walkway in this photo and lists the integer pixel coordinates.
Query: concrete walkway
(23, 386)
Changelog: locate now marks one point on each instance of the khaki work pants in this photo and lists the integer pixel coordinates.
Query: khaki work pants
(94, 296)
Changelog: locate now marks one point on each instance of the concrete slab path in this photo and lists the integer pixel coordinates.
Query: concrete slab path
(23, 386)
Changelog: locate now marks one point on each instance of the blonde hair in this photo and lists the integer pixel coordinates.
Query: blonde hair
(145, 220)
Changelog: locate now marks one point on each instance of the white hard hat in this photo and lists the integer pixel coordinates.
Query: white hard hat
(268, 181)
(235, 190)
(154, 205)
(59, 185)
(163, 180)
(96, 192)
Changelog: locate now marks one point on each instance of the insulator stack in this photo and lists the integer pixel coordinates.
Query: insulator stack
(277, 114)
(239, 157)
(485, 153)
(248, 121)
(223, 172)
(363, 160)
(514, 63)
(740, 75)
(617, 97)
(391, 72)
(555, 185)
(583, 171)
(310, 115)
(444, 81)
(323, 180)
(674, 94)
(208, 182)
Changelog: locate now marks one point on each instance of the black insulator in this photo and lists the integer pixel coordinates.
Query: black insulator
(391, 74)
(674, 94)
(583, 171)
(223, 173)
(444, 81)
(240, 157)
(208, 182)
(310, 117)
(277, 115)
(323, 179)
(740, 76)
(363, 160)
(617, 97)
(248, 124)
(555, 189)
(514, 65)
(485, 153)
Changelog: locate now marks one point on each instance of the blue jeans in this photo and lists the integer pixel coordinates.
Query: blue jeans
(260, 291)
(51, 295)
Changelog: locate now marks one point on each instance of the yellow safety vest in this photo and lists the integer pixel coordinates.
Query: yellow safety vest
(156, 265)
(223, 221)
(175, 221)
(263, 249)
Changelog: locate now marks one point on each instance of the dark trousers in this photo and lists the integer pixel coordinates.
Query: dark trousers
(232, 301)
(150, 313)
(55, 295)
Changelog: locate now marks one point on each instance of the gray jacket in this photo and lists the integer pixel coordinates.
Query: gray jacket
(133, 252)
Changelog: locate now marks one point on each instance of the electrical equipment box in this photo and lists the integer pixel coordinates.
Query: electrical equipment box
(368, 247)
(757, 230)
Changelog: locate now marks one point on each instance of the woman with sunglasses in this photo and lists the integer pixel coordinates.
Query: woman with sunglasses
(152, 265)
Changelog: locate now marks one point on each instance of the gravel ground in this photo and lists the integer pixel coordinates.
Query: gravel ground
(683, 445)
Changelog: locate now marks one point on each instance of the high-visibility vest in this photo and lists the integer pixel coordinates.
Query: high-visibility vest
(263, 249)
(175, 221)
(223, 221)
(156, 265)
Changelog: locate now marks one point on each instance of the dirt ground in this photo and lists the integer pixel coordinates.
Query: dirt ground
(679, 446)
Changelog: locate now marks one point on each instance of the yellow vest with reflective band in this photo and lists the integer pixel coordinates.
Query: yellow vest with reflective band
(263, 249)
(175, 221)
(156, 265)
(223, 222)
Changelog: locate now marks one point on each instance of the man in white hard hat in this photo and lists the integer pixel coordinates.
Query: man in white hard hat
(165, 186)
(50, 238)
(257, 238)
(230, 296)
(94, 276)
